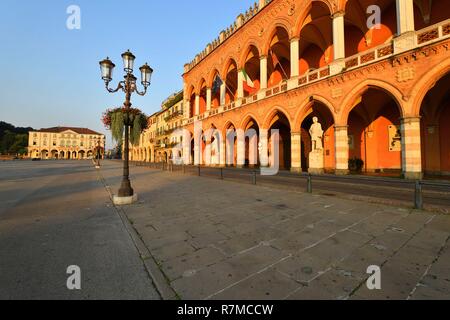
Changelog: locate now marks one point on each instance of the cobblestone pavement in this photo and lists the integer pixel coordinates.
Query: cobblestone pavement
(224, 240)
(55, 214)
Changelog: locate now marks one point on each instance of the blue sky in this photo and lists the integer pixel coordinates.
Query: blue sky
(50, 74)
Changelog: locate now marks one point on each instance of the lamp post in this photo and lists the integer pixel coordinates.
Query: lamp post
(128, 86)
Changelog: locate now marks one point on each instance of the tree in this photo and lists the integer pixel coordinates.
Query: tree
(20, 144)
(13, 140)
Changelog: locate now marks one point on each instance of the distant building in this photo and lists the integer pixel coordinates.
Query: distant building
(65, 143)
(157, 143)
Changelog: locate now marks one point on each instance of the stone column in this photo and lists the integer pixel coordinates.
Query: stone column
(186, 147)
(338, 35)
(411, 148)
(187, 109)
(240, 159)
(222, 152)
(341, 149)
(406, 39)
(208, 99)
(294, 57)
(198, 141)
(405, 16)
(338, 64)
(263, 72)
(263, 147)
(223, 89)
(207, 154)
(240, 84)
(296, 152)
(252, 147)
(197, 104)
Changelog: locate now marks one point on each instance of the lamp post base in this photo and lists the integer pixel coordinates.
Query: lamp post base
(124, 201)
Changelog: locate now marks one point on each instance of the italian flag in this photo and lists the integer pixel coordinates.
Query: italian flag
(249, 86)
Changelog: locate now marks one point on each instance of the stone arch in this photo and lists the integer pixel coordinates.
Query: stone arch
(191, 99)
(191, 90)
(247, 118)
(227, 125)
(211, 77)
(200, 84)
(349, 102)
(251, 128)
(425, 83)
(277, 23)
(278, 119)
(298, 24)
(252, 66)
(230, 140)
(373, 121)
(228, 61)
(201, 91)
(305, 107)
(332, 6)
(251, 42)
(302, 17)
(230, 78)
(359, 37)
(268, 119)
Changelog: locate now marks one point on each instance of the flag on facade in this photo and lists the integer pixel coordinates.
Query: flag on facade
(217, 84)
(277, 62)
(274, 59)
(247, 79)
(249, 86)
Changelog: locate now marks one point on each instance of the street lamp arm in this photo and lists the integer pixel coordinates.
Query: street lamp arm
(141, 93)
(119, 87)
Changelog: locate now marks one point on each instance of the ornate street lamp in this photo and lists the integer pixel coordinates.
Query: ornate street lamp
(128, 86)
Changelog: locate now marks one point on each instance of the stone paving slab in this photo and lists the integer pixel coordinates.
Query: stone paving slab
(225, 240)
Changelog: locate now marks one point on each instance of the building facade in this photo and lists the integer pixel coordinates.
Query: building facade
(376, 75)
(162, 135)
(65, 143)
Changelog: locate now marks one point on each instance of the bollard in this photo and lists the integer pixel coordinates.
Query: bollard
(184, 169)
(418, 197)
(199, 170)
(309, 184)
(254, 177)
(221, 173)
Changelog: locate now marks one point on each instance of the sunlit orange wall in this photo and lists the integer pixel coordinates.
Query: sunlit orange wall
(377, 148)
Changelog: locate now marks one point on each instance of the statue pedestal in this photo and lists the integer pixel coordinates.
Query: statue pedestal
(316, 162)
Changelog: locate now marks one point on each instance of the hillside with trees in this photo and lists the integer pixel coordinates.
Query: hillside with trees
(13, 140)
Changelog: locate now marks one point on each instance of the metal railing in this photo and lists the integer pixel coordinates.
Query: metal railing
(406, 189)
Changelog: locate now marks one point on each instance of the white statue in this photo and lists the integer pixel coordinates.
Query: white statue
(316, 133)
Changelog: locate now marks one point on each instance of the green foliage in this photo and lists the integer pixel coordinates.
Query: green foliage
(139, 125)
(20, 144)
(13, 140)
(117, 123)
(136, 119)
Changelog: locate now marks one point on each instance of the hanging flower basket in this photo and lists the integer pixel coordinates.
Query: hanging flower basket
(116, 119)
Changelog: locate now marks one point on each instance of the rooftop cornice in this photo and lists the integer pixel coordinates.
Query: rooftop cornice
(241, 20)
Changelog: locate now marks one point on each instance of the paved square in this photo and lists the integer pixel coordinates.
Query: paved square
(217, 239)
